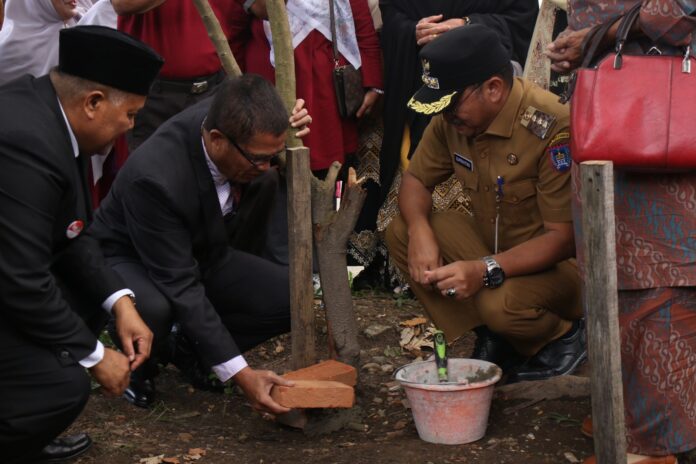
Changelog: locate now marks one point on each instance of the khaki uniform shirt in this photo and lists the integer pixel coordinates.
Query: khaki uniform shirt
(527, 145)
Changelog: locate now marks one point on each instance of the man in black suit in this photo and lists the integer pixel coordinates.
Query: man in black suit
(55, 289)
(173, 223)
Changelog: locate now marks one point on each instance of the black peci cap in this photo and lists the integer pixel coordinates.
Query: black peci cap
(458, 58)
(109, 57)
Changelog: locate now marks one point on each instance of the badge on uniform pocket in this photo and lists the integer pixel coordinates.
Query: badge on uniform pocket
(463, 161)
(74, 229)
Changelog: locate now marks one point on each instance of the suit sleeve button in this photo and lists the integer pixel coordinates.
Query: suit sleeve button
(64, 354)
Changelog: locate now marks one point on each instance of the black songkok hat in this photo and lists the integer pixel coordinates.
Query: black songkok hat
(458, 58)
(109, 57)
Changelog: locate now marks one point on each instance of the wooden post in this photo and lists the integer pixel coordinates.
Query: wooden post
(300, 255)
(284, 55)
(601, 309)
(212, 26)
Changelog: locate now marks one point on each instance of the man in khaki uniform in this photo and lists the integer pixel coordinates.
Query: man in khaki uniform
(507, 270)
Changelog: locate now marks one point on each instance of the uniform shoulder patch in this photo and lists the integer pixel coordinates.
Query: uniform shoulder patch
(538, 122)
(558, 151)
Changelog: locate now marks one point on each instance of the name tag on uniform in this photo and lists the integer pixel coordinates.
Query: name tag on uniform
(462, 161)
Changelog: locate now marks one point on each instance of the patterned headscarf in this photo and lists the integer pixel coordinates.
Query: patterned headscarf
(307, 15)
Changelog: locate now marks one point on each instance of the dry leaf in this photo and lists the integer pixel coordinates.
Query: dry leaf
(414, 322)
(185, 437)
(407, 335)
(152, 459)
(171, 460)
(199, 451)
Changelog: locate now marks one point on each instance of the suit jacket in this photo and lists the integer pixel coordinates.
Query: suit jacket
(163, 211)
(43, 190)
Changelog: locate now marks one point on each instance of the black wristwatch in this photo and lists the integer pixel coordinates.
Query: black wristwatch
(494, 276)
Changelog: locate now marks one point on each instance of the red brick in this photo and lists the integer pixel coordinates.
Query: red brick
(314, 394)
(326, 370)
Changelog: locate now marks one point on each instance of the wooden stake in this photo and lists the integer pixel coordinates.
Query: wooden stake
(284, 60)
(212, 25)
(300, 255)
(601, 309)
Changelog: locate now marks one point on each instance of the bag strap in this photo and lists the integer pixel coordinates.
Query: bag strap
(332, 16)
(592, 45)
(623, 31)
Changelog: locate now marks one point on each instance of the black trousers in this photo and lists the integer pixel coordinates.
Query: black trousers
(41, 394)
(250, 294)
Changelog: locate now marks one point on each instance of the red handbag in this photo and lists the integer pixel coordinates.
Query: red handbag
(635, 110)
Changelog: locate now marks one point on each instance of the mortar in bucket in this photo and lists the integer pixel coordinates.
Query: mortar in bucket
(453, 412)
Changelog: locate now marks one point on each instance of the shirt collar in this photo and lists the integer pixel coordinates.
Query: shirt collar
(218, 178)
(73, 140)
(504, 122)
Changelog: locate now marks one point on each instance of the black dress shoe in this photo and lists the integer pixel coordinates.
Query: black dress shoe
(65, 448)
(141, 390)
(493, 348)
(560, 357)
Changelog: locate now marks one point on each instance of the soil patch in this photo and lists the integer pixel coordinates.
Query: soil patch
(187, 425)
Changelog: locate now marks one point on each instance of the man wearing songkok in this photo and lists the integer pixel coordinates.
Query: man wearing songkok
(505, 271)
(56, 292)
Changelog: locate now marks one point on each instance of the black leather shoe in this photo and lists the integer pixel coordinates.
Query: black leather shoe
(141, 390)
(560, 357)
(186, 360)
(493, 348)
(65, 448)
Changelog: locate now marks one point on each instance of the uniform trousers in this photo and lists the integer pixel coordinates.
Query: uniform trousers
(42, 391)
(528, 311)
(250, 294)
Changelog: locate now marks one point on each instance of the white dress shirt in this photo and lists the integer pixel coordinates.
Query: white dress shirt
(228, 369)
(98, 353)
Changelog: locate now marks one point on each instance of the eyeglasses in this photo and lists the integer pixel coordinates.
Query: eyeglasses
(255, 160)
(457, 102)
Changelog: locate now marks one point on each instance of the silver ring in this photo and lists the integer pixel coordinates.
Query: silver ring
(451, 292)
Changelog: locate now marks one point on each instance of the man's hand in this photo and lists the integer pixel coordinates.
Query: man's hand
(112, 372)
(465, 277)
(565, 52)
(423, 253)
(430, 27)
(257, 388)
(135, 335)
(300, 118)
(368, 103)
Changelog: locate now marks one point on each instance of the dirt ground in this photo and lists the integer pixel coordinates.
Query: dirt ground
(187, 426)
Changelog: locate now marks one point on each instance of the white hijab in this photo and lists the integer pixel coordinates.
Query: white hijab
(29, 38)
(307, 15)
(101, 14)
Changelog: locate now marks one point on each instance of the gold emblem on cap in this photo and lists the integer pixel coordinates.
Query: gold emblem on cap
(512, 159)
(429, 81)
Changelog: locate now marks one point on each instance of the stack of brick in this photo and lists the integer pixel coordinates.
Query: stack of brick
(328, 384)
